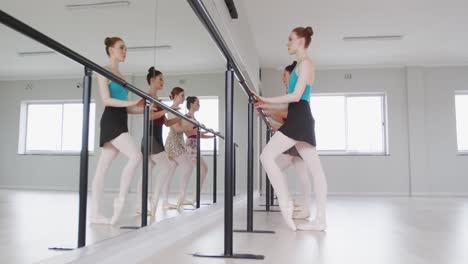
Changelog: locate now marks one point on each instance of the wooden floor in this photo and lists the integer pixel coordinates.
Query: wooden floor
(360, 230)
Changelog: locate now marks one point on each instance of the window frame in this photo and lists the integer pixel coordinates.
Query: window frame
(384, 114)
(463, 152)
(23, 128)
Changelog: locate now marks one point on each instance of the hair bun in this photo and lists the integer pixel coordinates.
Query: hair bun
(106, 41)
(294, 64)
(151, 69)
(309, 30)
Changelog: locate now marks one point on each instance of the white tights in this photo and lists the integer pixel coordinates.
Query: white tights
(123, 143)
(284, 161)
(203, 173)
(275, 147)
(167, 167)
(186, 164)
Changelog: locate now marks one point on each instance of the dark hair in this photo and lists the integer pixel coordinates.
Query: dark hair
(152, 73)
(305, 33)
(291, 67)
(110, 42)
(190, 100)
(175, 91)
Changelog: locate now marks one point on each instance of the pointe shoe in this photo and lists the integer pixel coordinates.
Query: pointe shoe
(118, 206)
(315, 225)
(302, 214)
(98, 219)
(138, 209)
(149, 212)
(287, 212)
(188, 202)
(298, 208)
(180, 203)
(167, 205)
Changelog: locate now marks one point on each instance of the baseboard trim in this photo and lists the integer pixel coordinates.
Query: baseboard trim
(395, 194)
(440, 194)
(106, 190)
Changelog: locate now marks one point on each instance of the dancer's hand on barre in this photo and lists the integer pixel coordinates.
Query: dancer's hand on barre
(207, 135)
(141, 102)
(133, 103)
(259, 100)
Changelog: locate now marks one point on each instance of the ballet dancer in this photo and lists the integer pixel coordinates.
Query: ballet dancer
(193, 105)
(297, 130)
(114, 136)
(158, 155)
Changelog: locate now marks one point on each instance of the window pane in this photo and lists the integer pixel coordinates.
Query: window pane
(329, 115)
(72, 125)
(365, 124)
(44, 127)
(209, 116)
(461, 110)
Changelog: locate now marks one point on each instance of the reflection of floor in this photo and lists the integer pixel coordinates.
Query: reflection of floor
(33, 221)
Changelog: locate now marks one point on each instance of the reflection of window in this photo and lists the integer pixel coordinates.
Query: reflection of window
(461, 114)
(53, 127)
(207, 115)
(350, 124)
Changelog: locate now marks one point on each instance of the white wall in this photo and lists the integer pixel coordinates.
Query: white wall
(238, 37)
(421, 131)
(443, 171)
(61, 172)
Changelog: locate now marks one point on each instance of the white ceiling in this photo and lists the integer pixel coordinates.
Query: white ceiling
(435, 31)
(84, 31)
(434, 34)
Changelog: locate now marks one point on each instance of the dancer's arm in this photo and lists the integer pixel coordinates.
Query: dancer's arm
(306, 74)
(156, 115)
(270, 106)
(171, 122)
(279, 116)
(182, 127)
(107, 100)
(135, 110)
(207, 135)
(274, 125)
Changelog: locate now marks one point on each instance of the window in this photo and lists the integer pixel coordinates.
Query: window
(207, 115)
(461, 114)
(350, 123)
(53, 127)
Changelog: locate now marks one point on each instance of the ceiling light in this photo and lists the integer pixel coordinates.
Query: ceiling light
(367, 38)
(144, 48)
(36, 53)
(99, 4)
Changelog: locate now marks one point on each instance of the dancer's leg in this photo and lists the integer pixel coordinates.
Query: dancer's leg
(310, 156)
(277, 145)
(139, 186)
(203, 173)
(304, 180)
(125, 144)
(186, 164)
(166, 187)
(108, 154)
(166, 170)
